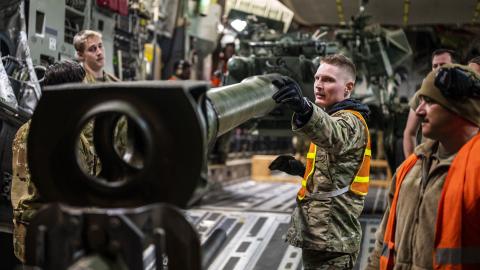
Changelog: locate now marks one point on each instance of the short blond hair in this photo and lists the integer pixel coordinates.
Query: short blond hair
(343, 62)
(81, 37)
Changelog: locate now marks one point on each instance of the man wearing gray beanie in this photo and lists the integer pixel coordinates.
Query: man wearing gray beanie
(433, 216)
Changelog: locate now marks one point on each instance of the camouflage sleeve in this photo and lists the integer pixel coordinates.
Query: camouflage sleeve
(87, 158)
(90, 161)
(21, 175)
(374, 258)
(336, 134)
(125, 149)
(121, 136)
(23, 193)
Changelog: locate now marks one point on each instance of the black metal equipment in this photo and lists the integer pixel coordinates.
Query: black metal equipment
(126, 217)
(129, 217)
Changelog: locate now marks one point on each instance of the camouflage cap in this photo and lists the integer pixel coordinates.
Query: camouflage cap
(467, 107)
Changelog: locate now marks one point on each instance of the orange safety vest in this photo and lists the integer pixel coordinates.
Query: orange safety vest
(359, 184)
(387, 259)
(457, 229)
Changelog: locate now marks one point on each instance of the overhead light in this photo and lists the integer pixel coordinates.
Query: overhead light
(220, 28)
(238, 25)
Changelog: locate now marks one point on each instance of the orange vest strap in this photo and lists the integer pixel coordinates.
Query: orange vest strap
(309, 168)
(360, 183)
(457, 232)
(387, 259)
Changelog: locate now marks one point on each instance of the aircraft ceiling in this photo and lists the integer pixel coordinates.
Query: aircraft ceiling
(386, 12)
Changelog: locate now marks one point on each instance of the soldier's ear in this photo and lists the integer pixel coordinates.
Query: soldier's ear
(80, 56)
(349, 86)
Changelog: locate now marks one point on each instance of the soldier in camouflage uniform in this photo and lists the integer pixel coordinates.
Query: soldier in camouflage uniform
(91, 54)
(25, 198)
(325, 222)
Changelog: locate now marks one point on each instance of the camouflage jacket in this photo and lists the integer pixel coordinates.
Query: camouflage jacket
(417, 206)
(25, 198)
(88, 130)
(331, 224)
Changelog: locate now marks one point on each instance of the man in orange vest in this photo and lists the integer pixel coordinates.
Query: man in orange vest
(433, 218)
(325, 222)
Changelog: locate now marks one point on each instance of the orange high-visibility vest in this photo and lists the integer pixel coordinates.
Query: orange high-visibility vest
(457, 229)
(387, 259)
(359, 184)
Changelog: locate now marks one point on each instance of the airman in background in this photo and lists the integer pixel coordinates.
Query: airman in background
(91, 54)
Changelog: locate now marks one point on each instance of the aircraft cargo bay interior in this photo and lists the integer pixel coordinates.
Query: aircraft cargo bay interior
(239, 134)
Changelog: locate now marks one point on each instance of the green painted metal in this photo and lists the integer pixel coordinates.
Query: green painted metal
(235, 104)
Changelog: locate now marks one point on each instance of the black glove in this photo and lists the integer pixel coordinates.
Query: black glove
(290, 94)
(289, 165)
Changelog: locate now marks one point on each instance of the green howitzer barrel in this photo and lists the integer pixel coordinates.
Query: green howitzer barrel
(232, 105)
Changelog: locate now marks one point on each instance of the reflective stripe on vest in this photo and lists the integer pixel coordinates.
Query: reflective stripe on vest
(387, 259)
(359, 184)
(452, 256)
(311, 155)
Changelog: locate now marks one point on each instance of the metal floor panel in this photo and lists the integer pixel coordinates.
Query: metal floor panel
(254, 196)
(255, 217)
(369, 224)
(254, 239)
